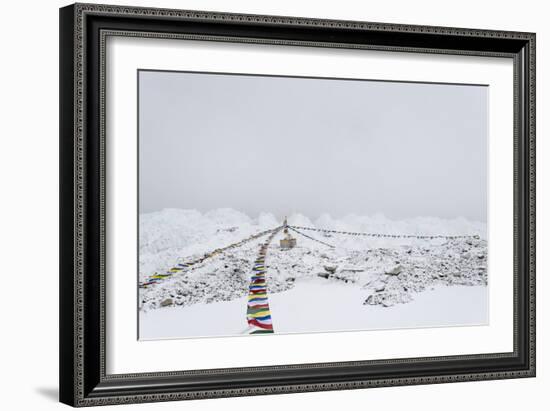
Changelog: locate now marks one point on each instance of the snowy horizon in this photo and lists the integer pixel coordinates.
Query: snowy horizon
(172, 233)
(318, 220)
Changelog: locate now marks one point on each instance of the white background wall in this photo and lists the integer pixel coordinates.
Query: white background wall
(29, 203)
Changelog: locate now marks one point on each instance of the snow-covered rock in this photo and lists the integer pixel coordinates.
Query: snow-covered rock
(395, 270)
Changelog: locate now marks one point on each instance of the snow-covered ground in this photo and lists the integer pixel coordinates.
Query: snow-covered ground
(314, 305)
(361, 283)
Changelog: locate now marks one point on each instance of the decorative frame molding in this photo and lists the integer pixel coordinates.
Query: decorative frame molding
(83, 32)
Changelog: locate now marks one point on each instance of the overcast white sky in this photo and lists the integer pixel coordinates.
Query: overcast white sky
(283, 145)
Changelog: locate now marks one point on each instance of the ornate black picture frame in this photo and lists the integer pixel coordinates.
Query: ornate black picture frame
(83, 30)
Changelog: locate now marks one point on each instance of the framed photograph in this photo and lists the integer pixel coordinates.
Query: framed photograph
(262, 204)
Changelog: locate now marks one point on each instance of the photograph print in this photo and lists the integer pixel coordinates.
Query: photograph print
(279, 204)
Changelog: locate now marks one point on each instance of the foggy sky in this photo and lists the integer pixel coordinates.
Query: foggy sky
(284, 145)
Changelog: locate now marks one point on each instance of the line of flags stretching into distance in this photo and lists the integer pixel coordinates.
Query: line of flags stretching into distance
(425, 237)
(193, 264)
(258, 314)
